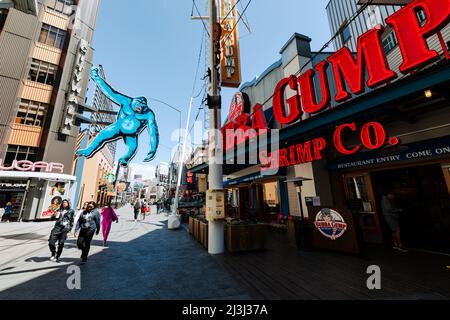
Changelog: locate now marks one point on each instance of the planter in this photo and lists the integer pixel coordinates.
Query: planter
(203, 234)
(191, 226)
(196, 228)
(240, 238)
(299, 233)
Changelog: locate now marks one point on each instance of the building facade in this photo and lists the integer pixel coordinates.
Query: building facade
(349, 140)
(92, 182)
(101, 165)
(44, 71)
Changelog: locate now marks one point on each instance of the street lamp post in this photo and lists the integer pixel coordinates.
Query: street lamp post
(179, 143)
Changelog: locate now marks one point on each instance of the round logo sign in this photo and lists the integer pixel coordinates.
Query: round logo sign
(110, 178)
(330, 223)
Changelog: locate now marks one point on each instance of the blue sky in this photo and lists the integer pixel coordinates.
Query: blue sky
(151, 48)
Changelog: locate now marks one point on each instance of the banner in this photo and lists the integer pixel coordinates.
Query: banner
(56, 192)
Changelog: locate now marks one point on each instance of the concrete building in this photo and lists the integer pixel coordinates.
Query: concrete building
(93, 185)
(91, 173)
(46, 52)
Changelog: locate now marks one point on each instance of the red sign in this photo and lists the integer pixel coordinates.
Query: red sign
(371, 135)
(350, 78)
(25, 165)
(349, 73)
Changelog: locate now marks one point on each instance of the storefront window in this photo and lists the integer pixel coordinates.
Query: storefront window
(358, 195)
(270, 198)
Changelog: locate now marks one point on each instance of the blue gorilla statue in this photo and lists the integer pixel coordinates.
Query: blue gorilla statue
(133, 118)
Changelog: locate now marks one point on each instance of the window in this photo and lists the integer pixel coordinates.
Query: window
(346, 35)
(421, 16)
(389, 42)
(42, 72)
(3, 16)
(52, 36)
(63, 6)
(20, 153)
(31, 113)
(270, 198)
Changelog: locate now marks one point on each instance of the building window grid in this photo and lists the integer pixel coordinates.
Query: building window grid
(32, 113)
(42, 72)
(389, 42)
(62, 6)
(52, 36)
(20, 153)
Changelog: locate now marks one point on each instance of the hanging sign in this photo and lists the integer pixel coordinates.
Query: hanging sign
(230, 58)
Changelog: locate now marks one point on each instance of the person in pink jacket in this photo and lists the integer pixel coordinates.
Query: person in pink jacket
(108, 217)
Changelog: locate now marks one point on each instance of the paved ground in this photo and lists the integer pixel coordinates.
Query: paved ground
(284, 272)
(144, 260)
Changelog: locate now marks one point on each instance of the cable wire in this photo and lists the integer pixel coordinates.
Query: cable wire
(357, 13)
(231, 10)
(201, 18)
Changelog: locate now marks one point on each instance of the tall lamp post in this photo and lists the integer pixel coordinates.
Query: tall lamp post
(305, 233)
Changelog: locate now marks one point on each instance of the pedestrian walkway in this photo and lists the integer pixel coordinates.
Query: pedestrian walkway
(284, 272)
(144, 260)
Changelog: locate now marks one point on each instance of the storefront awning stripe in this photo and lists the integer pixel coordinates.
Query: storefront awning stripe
(36, 175)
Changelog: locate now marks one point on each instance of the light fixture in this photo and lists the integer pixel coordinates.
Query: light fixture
(428, 94)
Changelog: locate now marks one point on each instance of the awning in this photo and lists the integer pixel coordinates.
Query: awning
(36, 175)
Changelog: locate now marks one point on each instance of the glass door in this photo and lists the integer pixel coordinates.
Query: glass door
(361, 201)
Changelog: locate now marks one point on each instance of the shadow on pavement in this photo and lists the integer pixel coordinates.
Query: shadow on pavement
(156, 265)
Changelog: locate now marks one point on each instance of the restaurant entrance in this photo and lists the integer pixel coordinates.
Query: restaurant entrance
(423, 195)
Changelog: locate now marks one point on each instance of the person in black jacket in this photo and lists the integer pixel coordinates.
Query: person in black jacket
(64, 222)
(89, 225)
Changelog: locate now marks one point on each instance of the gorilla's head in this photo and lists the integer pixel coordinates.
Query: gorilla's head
(139, 104)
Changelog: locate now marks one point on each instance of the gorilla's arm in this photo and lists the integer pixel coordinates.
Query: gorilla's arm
(153, 132)
(109, 91)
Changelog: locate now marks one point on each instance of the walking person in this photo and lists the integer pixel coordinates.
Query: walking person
(108, 217)
(143, 209)
(392, 216)
(88, 224)
(8, 211)
(137, 208)
(64, 224)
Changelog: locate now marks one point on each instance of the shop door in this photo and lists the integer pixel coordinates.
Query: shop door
(423, 195)
(361, 201)
(244, 202)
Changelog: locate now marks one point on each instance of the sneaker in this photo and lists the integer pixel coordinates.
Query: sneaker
(56, 260)
(53, 259)
(401, 249)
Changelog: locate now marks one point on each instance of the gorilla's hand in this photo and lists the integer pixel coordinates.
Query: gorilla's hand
(94, 72)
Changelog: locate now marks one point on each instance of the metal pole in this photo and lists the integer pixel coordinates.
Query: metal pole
(181, 165)
(216, 241)
(23, 200)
